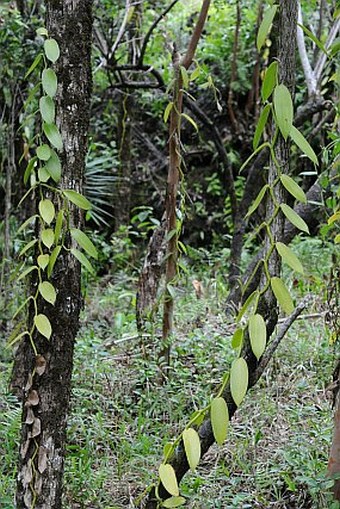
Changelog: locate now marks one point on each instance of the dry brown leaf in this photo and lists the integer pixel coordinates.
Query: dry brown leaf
(40, 364)
(36, 428)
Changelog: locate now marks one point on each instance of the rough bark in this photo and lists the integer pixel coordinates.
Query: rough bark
(46, 379)
(267, 305)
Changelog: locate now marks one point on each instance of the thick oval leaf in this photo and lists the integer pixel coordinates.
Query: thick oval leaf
(43, 260)
(78, 199)
(238, 380)
(261, 124)
(174, 502)
(265, 26)
(58, 225)
(257, 334)
(219, 419)
(283, 105)
(257, 201)
(84, 242)
(53, 166)
(192, 447)
(237, 339)
(29, 169)
(168, 478)
(168, 450)
(52, 50)
(282, 294)
(44, 152)
(43, 325)
(47, 237)
(53, 259)
(42, 31)
(47, 211)
(270, 81)
(53, 135)
(289, 257)
(49, 82)
(83, 260)
(303, 144)
(167, 111)
(47, 109)
(47, 291)
(43, 175)
(293, 188)
(294, 218)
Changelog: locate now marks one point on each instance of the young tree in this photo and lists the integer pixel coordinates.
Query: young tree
(43, 373)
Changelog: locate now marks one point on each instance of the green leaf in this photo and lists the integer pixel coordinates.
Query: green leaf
(49, 82)
(58, 225)
(26, 223)
(43, 174)
(265, 26)
(238, 380)
(237, 338)
(168, 450)
(28, 246)
(47, 211)
(185, 77)
(43, 261)
(257, 334)
(284, 111)
(189, 119)
(52, 51)
(261, 124)
(53, 259)
(270, 81)
(289, 257)
(169, 503)
(17, 338)
(78, 199)
(293, 188)
(53, 135)
(252, 299)
(53, 166)
(47, 109)
(47, 237)
(36, 62)
(44, 152)
(314, 39)
(42, 31)
(29, 169)
(282, 295)
(43, 325)
(219, 419)
(192, 447)
(257, 201)
(303, 144)
(47, 291)
(84, 242)
(167, 111)
(168, 478)
(26, 272)
(294, 218)
(83, 260)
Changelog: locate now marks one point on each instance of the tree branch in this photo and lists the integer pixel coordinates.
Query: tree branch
(151, 29)
(187, 59)
(321, 62)
(306, 66)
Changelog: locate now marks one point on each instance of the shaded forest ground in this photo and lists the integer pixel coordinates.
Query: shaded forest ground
(277, 449)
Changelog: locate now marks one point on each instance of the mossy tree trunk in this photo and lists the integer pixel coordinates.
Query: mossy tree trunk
(45, 379)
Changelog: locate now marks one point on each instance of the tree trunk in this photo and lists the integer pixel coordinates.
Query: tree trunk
(46, 378)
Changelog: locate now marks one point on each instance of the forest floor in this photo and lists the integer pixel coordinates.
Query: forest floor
(276, 452)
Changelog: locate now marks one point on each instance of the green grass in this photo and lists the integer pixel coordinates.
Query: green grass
(277, 446)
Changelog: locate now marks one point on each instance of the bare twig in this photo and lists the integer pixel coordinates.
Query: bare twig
(187, 59)
(321, 62)
(151, 29)
(306, 66)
